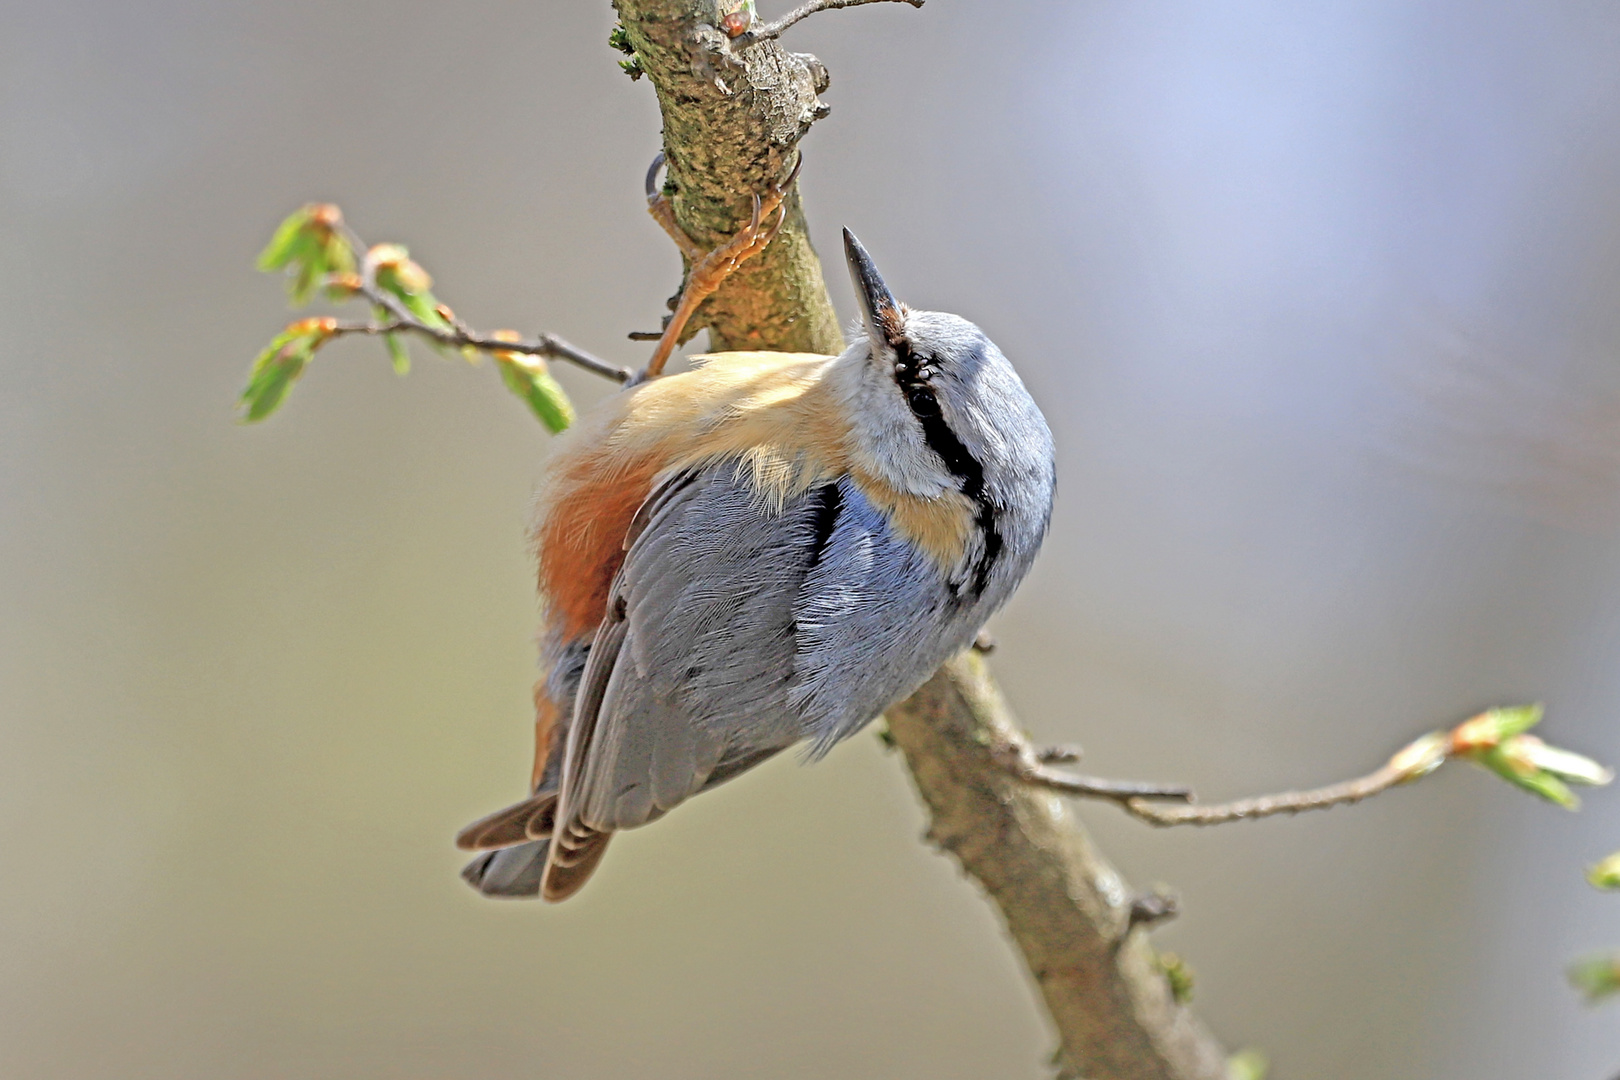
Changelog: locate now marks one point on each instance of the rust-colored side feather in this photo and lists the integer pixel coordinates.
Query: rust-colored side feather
(581, 539)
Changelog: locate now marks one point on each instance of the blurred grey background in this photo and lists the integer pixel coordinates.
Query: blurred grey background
(1320, 300)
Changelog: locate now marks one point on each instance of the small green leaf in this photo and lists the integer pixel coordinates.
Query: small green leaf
(273, 375)
(309, 271)
(1606, 874)
(1494, 726)
(311, 245)
(337, 254)
(397, 355)
(1564, 764)
(529, 380)
(1499, 740)
(289, 235)
(1516, 719)
(1529, 763)
(1248, 1064)
(1511, 768)
(421, 304)
(1596, 977)
(279, 366)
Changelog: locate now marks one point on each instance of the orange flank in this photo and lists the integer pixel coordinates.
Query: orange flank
(581, 539)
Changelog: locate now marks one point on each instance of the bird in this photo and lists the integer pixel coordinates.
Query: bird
(762, 552)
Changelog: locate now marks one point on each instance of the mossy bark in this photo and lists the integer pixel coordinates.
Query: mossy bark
(733, 118)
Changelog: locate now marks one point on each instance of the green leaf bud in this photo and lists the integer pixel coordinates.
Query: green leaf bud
(1605, 874)
(1596, 977)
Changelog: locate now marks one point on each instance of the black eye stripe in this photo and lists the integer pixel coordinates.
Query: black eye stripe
(913, 375)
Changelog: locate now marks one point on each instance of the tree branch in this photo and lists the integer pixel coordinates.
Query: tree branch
(733, 117)
(732, 113)
(774, 29)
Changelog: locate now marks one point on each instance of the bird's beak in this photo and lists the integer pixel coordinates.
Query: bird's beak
(885, 325)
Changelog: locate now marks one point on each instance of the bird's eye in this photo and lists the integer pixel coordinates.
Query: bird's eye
(922, 401)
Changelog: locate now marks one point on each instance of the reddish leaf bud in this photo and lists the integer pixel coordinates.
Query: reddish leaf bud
(325, 216)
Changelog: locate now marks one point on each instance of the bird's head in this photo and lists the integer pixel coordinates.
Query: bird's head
(935, 405)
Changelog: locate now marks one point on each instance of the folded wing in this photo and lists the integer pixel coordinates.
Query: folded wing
(689, 676)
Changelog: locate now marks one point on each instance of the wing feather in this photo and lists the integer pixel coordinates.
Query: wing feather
(689, 673)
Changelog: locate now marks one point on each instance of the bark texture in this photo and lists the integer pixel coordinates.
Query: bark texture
(732, 121)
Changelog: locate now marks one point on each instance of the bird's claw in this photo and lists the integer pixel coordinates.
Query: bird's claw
(709, 269)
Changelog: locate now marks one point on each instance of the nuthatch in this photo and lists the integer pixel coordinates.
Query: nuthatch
(763, 551)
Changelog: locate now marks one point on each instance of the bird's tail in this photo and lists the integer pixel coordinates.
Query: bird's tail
(514, 843)
(511, 873)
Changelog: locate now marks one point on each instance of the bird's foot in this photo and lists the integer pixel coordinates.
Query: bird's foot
(709, 269)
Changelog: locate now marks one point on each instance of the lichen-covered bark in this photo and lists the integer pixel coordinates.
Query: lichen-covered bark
(732, 121)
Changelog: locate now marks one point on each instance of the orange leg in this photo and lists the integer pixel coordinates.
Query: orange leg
(709, 269)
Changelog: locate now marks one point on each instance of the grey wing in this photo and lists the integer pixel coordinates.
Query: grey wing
(687, 683)
(875, 617)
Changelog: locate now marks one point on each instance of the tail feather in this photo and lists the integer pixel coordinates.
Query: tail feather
(531, 819)
(511, 873)
(572, 865)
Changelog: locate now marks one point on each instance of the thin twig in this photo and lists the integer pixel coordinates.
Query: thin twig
(1151, 908)
(1416, 760)
(1286, 802)
(460, 335)
(1029, 765)
(774, 29)
(548, 345)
